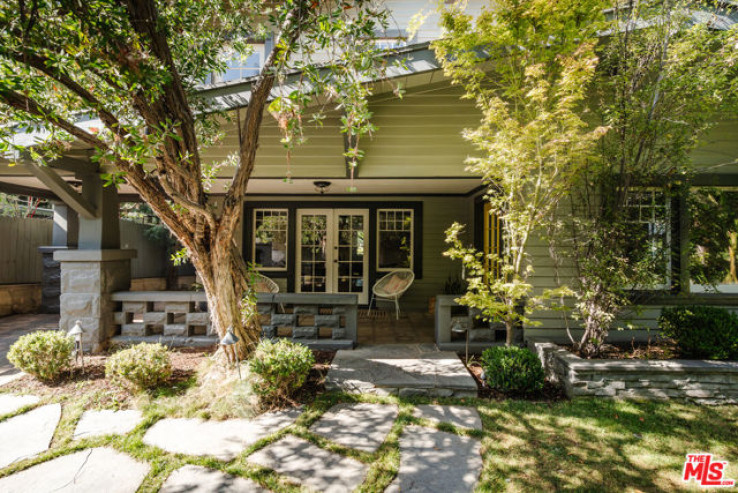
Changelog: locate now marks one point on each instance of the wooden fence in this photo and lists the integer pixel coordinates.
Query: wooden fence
(20, 261)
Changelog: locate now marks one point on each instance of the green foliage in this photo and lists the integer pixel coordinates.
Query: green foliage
(702, 332)
(141, 367)
(512, 369)
(279, 369)
(44, 354)
(657, 89)
(713, 236)
(532, 138)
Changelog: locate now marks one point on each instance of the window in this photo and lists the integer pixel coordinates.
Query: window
(648, 213)
(492, 244)
(394, 239)
(713, 240)
(239, 66)
(270, 239)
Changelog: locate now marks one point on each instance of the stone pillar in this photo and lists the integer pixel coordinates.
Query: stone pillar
(88, 279)
(64, 236)
(98, 268)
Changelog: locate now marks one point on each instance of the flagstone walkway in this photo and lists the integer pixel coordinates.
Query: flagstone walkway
(430, 460)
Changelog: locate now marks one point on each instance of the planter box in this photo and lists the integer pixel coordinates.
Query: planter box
(703, 382)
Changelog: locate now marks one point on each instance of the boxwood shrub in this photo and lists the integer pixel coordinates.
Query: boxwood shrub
(143, 366)
(701, 332)
(45, 354)
(279, 369)
(512, 370)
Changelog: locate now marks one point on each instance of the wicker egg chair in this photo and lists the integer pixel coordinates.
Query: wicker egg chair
(391, 287)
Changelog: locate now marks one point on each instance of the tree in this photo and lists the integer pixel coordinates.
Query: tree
(661, 83)
(526, 65)
(136, 65)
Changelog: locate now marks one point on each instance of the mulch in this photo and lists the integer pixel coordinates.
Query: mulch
(185, 362)
(657, 349)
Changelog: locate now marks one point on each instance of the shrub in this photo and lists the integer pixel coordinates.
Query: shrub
(512, 369)
(143, 366)
(702, 332)
(45, 354)
(278, 369)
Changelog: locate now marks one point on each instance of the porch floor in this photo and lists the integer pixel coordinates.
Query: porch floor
(400, 369)
(381, 327)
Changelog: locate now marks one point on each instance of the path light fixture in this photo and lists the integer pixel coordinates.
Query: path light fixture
(76, 332)
(460, 325)
(229, 340)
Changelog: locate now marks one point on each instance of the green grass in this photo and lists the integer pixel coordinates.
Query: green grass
(581, 445)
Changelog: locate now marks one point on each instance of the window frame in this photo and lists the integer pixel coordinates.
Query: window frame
(286, 239)
(668, 219)
(411, 230)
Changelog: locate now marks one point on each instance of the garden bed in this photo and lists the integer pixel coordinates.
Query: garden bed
(703, 382)
(551, 391)
(660, 349)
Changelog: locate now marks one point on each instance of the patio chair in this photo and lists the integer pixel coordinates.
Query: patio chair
(391, 287)
(263, 284)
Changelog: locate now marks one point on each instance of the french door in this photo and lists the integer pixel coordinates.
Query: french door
(332, 254)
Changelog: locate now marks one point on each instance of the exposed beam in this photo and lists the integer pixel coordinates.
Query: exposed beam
(14, 189)
(66, 193)
(75, 165)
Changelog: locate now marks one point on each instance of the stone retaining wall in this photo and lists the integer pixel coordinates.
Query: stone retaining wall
(19, 298)
(703, 382)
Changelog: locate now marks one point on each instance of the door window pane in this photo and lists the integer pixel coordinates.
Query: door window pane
(394, 239)
(313, 251)
(270, 239)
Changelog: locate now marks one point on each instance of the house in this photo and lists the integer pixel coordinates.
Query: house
(312, 227)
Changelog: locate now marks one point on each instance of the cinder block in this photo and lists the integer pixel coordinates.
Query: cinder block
(332, 321)
(121, 318)
(305, 333)
(133, 330)
(338, 333)
(283, 320)
(134, 306)
(175, 330)
(155, 318)
(178, 307)
(198, 318)
(305, 309)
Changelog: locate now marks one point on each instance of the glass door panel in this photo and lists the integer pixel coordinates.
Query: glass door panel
(314, 252)
(350, 264)
(331, 253)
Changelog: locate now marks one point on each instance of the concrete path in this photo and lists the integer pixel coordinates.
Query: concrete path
(400, 369)
(436, 461)
(198, 479)
(361, 426)
(11, 403)
(14, 326)
(28, 434)
(106, 422)
(303, 462)
(221, 439)
(460, 416)
(87, 471)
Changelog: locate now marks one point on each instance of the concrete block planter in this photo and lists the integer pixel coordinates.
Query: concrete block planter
(703, 382)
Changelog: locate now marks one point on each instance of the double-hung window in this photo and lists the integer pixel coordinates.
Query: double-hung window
(648, 214)
(270, 239)
(395, 239)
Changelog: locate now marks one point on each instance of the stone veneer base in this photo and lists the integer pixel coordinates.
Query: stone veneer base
(702, 382)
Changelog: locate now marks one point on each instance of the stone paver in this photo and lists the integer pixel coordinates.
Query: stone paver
(361, 426)
(404, 369)
(107, 422)
(28, 434)
(436, 461)
(9, 377)
(301, 461)
(197, 479)
(221, 439)
(11, 403)
(463, 416)
(86, 471)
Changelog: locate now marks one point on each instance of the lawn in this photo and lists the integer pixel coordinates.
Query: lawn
(582, 445)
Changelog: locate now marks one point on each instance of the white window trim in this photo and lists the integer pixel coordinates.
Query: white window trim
(412, 240)
(259, 48)
(286, 238)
